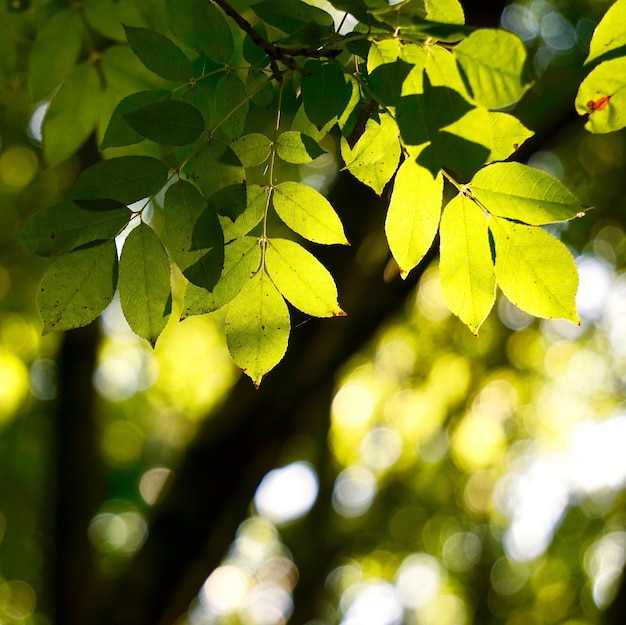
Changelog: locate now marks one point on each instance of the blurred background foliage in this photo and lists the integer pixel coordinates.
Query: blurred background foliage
(447, 479)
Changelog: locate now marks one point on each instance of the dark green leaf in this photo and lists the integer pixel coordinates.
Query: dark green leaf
(159, 54)
(144, 283)
(325, 93)
(214, 167)
(126, 179)
(65, 226)
(77, 287)
(293, 15)
(213, 33)
(231, 104)
(170, 122)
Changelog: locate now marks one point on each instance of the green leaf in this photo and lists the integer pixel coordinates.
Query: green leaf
(72, 114)
(253, 149)
(256, 203)
(65, 226)
(535, 271)
(231, 104)
(257, 327)
(374, 159)
(118, 132)
(494, 63)
(55, 52)
(325, 93)
(159, 54)
(386, 81)
(413, 214)
(610, 33)
(307, 212)
(215, 167)
(446, 11)
(254, 54)
(302, 279)
(213, 33)
(77, 287)
(298, 148)
(169, 122)
(361, 9)
(520, 192)
(125, 179)
(602, 96)
(507, 135)
(193, 234)
(107, 16)
(466, 270)
(242, 259)
(291, 16)
(144, 283)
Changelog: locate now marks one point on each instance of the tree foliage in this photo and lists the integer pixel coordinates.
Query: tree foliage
(408, 99)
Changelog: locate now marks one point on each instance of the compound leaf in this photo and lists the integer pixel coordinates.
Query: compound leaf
(535, 270)
(301, 278)
(77, 287)
(144, 283)
(257, 327)
(466, 268)
(413, 215)
(307, 212)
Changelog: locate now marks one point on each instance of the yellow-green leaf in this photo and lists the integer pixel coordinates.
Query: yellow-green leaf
(535, 270)
(301, 278)
(256, 203)
(257, 327)
(610, 33)
(466, 267)
(253, 149)
(413, 214)
(307, 212)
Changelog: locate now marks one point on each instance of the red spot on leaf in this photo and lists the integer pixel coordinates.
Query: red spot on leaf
(599, 104)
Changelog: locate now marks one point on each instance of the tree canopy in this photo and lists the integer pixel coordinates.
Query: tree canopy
(413, 173)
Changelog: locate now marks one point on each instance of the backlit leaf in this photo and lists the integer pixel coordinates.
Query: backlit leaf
(494, 64)
(65, 226)
(257, 327)
(159, 54)
(55, 52)
(535, 270)
(242, 259)
(466, 267)
(413, 214)
(602, 96)
(144, 283)
(507, 135)
(72, 114)
(298, 148)
(193, 234)
(169, 122)
(256, 203)
(213, 34)
(77, 287)
(301, 278)
(214, 167)
(523, 193)
(610, 33)
(125, 179)
(253, 149)
(307, 212)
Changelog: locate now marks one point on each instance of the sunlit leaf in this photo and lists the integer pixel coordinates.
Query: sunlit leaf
(169, 122)
(298, 148)
(144, 283)
(602, 96)
(610, 33)
(257, 327)
(466, 267)
(159, 54)
(72, 114)
(193, 234)
(374, 159)
(301, 278)
(242, 259)
(413, 214)
(494, 63)
(213, 33)
(77, 287)
(507, 135)
(307, 212)
(65, 226)
(125, 179)
(55, 52)
(523, 193)
(448, 11)
(535, 270)
(252, 149)
(256, 204)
